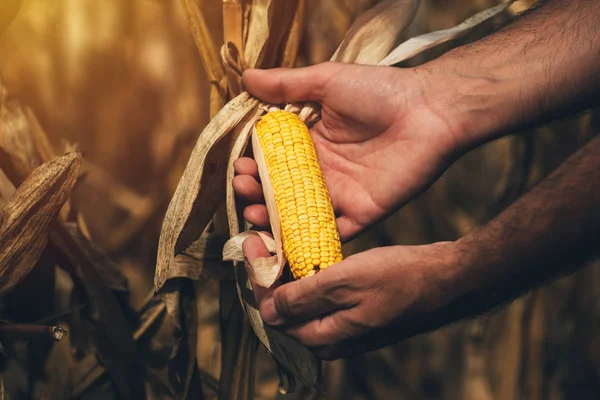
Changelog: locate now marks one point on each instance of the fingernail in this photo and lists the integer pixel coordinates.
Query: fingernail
(268, 311)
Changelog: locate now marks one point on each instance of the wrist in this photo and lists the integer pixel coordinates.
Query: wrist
(471, 103)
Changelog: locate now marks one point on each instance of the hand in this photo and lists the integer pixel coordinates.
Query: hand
(365, 302)
(378, 142)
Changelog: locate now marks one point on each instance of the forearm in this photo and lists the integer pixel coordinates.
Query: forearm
(551, 230)
(545, 64)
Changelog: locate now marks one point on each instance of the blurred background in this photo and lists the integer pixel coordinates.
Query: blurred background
(123, 80)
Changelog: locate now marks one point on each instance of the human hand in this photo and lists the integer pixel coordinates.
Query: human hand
(367, 301)
(378, 142)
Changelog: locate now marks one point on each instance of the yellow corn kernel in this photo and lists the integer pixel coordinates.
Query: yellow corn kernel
(307, 219)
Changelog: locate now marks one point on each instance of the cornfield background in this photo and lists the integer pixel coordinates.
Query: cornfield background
(122, 81)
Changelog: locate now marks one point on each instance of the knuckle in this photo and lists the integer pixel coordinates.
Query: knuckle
(286, 301)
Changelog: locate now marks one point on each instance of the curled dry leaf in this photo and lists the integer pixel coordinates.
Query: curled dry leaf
(374, 33)
(263, 271)
(191, 208)
(419, 44)
(26, 217)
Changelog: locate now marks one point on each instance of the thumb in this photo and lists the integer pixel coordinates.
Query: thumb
(288, 85)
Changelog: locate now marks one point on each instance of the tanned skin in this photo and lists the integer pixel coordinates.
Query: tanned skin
(387, 134)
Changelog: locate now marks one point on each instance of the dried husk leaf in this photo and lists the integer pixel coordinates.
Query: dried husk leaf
(238, 148)
(419, 44)
(27, 216)
(191, 208)
(270, 21)
(265, 270)
(374, 33)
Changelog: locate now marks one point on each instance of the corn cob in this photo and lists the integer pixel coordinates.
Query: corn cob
(309, 233)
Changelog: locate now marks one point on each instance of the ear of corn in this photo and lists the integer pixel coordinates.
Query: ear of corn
(308, 229)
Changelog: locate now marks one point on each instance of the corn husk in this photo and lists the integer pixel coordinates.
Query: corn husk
(267, 42)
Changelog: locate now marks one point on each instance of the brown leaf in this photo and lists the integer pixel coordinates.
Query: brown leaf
(374, 33)
(424, 42)
(109, 270)
(233, 23)
(202, 260)
(26, 217)
(292, 42)
(203, 38)
(202, 187)
(270, 22)
(18, 152)
(115, 343)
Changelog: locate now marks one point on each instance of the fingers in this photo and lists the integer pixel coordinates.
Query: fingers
(248, 189)
(246, 166)
(306, 298)
(246, 185)
(257, 214)
(283, 85)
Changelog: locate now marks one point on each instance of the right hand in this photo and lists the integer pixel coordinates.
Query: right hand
(378, 141)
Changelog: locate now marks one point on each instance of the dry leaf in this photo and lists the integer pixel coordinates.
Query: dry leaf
(270, 22)
(26, 217)
(203, 38)
(233, 23)
(109, 270)
(202, 187)
(374, 33)
(115, 343)
(18, 152)
(419, 44)
(296, 358)
(203, 259)
(292, 42)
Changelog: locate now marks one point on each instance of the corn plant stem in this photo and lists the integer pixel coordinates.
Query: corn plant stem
(25, 331)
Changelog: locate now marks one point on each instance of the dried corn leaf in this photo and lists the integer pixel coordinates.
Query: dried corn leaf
(296, 358)
(374, 33)
(203, 259)
(203, 38)
(109, 270)
(233, 12)
(239, 146)
(26, 217)
(270, 23)
(39, 137)
(292, 43)
(18, 153)
(419, 44)
(191, 208)
(115, 343)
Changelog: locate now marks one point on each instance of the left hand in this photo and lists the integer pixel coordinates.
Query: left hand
(367, 301)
